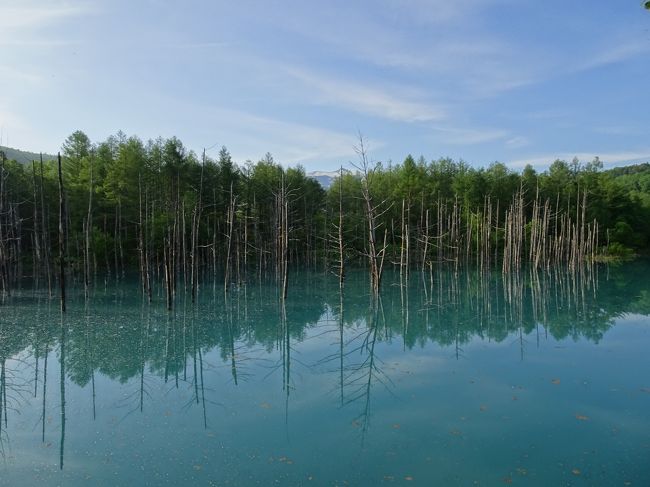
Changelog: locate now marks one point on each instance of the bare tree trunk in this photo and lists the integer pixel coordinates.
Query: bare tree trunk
(4, 268)
(37, 241)
(230, 223)
(89, 226)
(141, 245)
(45, 240)
(195, 231)
(340, 235)
(62, 242)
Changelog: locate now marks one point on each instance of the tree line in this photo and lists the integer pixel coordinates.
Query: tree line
(180, 220)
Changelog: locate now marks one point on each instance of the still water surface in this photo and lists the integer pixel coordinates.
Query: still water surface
(461, 379)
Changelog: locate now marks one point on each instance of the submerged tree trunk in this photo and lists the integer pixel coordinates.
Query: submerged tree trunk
(62, 235)
(88, 232)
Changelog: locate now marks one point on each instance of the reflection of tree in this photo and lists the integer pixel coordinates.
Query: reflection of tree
(150, 345)
(15, 387)
(445, 308)
(358, 378)
(62, 389)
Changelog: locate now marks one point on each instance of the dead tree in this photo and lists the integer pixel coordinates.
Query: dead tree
(62, 242)
(196, 222)
(375, 251)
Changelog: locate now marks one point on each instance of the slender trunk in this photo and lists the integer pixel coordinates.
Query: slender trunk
(37, 240)
(45, 240)
(89, 226)
(195, 231)
(62, 242)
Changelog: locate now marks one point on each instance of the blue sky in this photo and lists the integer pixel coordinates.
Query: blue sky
(516, 81)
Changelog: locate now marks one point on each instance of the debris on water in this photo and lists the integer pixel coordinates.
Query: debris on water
(555, 381)
(581, 417)
(576, 471)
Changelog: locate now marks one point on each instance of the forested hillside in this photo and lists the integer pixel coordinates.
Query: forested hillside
(24, 156)
(179, 217)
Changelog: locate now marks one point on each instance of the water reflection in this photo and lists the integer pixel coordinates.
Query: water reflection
(254, 336)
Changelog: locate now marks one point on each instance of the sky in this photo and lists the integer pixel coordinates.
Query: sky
(516, 81)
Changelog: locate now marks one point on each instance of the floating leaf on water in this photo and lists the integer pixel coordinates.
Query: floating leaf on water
(555, 381)
(581, 417)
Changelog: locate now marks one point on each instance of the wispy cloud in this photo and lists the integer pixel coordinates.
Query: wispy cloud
(19, 15)
(615, 54)
(470, 136)
(436, 12)
(367, 99)
(198, 45)
(18, 75)
(623, 130)
(289, 142)
(517, 142)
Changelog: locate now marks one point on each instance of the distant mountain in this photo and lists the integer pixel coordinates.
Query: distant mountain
(24, 156)
(325, 178)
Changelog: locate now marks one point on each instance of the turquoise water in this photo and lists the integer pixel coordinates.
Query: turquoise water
(463, 379)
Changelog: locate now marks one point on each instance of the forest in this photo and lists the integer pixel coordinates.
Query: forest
(180, 220)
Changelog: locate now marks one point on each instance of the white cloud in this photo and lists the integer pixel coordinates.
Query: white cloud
(290, 143)
(366, 99)
(616, 54)
(517, 142)
(621, 130)
(20, 15)
(18, 75)
(456, 136)
(436, 12)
